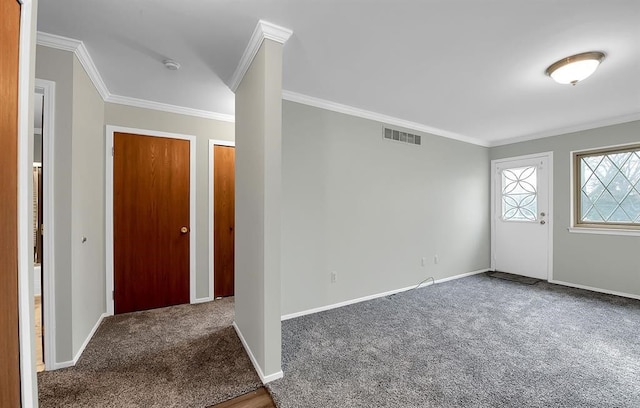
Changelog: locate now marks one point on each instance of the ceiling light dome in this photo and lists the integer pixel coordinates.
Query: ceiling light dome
(171, 64)
(573, 69)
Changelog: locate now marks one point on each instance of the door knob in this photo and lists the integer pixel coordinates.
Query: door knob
(543, 222)
(184, 230)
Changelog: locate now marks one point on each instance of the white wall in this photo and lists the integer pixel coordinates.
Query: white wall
(600, 261)
(370, 209)
(203, 130)
(88, 220)
(258, 178)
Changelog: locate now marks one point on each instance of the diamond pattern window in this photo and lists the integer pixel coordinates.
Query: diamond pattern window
(519, 194)
(608, 188)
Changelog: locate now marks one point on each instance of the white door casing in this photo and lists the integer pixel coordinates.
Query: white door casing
(522, 215)
(212, 143)
(109, 262)
(47, 88)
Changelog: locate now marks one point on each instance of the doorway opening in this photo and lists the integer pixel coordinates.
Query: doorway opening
(38, 222)
(222, 218)
(42, 229)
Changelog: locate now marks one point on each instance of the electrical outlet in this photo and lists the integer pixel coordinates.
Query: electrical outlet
(436, 259)
(423, 261)
(334, 276)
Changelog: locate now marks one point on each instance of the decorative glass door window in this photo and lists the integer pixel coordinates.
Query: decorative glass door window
(519, 194)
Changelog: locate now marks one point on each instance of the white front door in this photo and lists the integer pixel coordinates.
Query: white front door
(520, 215)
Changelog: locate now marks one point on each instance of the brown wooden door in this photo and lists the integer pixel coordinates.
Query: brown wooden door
(150, 222)
(9, 336)
(223, 219)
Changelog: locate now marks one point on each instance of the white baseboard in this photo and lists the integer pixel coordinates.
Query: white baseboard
(271, 377)
(202, 300)
(264, 378)
(375, 296)
(62, 364)
(608, 292)
(71, 363)
(462, 275)
(89, 337)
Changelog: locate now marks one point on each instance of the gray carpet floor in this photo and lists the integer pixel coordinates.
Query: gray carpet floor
(180, 356)
(472, 342)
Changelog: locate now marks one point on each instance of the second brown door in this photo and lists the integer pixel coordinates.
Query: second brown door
(223, 219)
(150, 222)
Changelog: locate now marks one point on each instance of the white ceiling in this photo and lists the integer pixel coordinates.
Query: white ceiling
(462, 67)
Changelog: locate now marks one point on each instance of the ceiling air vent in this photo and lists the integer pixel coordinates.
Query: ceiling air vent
(400, 136)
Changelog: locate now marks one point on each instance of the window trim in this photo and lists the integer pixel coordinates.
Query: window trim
(608, 228)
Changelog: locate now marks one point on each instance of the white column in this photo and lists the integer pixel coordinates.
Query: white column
(258, 87)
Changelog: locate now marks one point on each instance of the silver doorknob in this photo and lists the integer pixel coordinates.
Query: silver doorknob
(184, 230)
(543, 222)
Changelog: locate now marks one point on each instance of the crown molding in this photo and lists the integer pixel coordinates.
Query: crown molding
(274, 32)
(165, 107)
(78, 48)
(378, 117)
(264, 30)
(57, 42)
(616, 120)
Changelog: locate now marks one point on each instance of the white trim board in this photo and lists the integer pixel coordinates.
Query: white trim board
(110, 130)
(264, 30)
(378, 117)
(78, 48)
(89, 337)
(594, 289)
(71, 363)
(212, 143)
(26, 324)
(165, 107)
(48, 242)
(377, 295)
(264, 378)
(202, 300)
(616, 120)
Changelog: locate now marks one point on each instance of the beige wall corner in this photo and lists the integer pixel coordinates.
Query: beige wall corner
(258, 191)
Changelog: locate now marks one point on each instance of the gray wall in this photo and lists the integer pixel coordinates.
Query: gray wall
(88, 195)
(55, 65)
(203, 129)
(370, 209)
(78, 196)
(258, 190)
(599, 261)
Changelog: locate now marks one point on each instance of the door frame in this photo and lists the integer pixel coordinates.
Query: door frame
(48, 262)
(26, 329)
(551, 214)
(110, 131)
(212, 143)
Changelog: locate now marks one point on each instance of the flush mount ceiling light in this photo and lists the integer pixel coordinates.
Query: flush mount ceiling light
(573, 69)
(171, 64)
